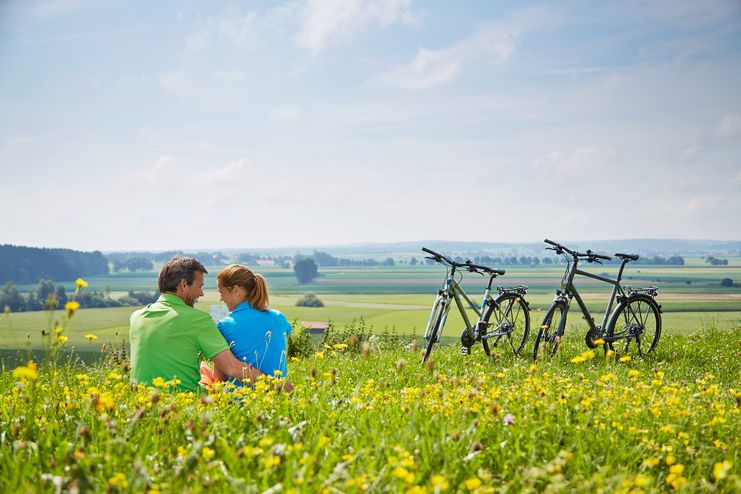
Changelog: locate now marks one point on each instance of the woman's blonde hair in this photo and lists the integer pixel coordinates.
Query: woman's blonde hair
(255, 285)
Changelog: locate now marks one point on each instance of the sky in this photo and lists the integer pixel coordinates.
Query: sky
(139, 125)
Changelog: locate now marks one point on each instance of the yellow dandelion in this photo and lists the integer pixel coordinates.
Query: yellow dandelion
(80, 283)
(61, 340)
(473, 483)
(207, 453)
(58, 330)
(28, 372)
(721, 469)
(440, 483)
(625, 358)
(91, 337)
(118, 481)
(599, 342)
(71, 307)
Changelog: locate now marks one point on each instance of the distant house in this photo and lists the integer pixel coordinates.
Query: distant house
(314, 327)
(265, 263)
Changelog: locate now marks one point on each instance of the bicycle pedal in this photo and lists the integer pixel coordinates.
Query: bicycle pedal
(465, 351)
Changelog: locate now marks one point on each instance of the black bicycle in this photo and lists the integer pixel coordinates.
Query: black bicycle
(636, 317)
(506, 316)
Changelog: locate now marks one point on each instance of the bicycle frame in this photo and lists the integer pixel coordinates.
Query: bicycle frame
(570, 289)
(453, 290)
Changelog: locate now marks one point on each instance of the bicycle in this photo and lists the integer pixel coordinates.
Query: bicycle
(636, 316)
(507, 315)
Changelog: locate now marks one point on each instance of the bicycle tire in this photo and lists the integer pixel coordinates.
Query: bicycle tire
(436, 322)
(640, 315)
(509, 311)
(548, 338)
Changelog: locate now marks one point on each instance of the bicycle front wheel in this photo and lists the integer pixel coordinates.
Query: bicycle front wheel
(549, 334)
(638, 322)
(508, 317)
(435, 329)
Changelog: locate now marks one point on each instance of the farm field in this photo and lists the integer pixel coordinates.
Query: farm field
(377, 420)
(397, 299)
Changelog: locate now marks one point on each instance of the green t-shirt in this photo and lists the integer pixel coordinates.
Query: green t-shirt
(166, 338)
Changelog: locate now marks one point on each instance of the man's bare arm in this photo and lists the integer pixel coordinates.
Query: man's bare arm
(226, 363)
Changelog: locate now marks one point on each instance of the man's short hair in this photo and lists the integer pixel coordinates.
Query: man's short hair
(176, 269)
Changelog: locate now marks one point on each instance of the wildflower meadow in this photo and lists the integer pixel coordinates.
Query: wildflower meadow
(367, 416)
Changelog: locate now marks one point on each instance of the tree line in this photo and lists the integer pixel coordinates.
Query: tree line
(49, 296)
(30, 264)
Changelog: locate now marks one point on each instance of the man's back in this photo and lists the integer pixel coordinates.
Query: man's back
(166, 338)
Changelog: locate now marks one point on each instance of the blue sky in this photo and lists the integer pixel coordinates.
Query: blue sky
(159, 125)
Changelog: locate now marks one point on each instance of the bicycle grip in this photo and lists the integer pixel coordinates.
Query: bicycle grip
(551, 242)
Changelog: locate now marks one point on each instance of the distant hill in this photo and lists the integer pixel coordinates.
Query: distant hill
(30, 264)
(644, 247)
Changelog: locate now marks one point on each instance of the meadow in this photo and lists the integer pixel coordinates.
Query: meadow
(371, 418)
(367, 416)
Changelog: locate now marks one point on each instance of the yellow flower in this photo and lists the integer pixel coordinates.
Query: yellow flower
(58, 330)
(91, 337)
(670, 460)
(277, 373)
(473, 483)
(158, 382)
(721, 469)
(118, 481)
(625, 358)
(27, 372)
(650, 462)
(323, 441)
(71, 307)
(610, 354)
(677, 469)
(403, 474)
(339, 346)
(207, 453)
(61, 340)
(80, 283)
(440, 483)
(599, 342)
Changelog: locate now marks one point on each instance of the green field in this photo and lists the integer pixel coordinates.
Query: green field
(398, 299)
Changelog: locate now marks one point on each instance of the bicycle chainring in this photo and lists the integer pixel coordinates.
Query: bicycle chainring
(466, 339)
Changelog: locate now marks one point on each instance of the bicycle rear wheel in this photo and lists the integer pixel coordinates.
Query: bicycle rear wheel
(435, 329)
(549, 336)
(508, 314)
(639, 321)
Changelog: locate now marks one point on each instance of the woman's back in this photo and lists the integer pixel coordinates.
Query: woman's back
(258, 337)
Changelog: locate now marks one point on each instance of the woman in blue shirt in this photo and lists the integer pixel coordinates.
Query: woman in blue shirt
(257, 335)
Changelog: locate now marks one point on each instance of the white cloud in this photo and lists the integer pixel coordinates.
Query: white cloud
(689, 153)
(697, 205)
(197, 42)
(326, 21)
(488, 45)
(729, 126)
(164, 167)
(576, 162)
(285, 112)
(737, 178)
(177, 84)
(219, 175)
(231, 76)
(19, 139)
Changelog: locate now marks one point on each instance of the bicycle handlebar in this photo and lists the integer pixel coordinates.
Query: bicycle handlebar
(468, 265)
(588, 255)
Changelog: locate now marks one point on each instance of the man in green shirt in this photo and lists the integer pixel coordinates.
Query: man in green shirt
(168, 335)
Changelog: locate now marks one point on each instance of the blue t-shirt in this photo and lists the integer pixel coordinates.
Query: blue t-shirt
(257, 338)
